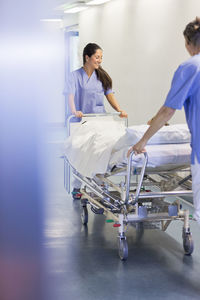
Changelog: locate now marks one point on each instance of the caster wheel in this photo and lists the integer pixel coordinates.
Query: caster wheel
(188, 244)
(123, 249)
(84, 215)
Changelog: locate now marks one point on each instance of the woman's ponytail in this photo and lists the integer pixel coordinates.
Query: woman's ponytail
(103, 76)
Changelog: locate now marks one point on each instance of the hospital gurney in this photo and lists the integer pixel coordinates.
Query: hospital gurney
(142, 201)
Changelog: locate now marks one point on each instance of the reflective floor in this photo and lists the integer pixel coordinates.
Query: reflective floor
(83, 262)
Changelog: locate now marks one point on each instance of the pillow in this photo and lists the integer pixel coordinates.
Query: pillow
(172, 134)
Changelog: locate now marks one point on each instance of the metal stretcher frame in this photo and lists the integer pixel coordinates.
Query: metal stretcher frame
(123, 206)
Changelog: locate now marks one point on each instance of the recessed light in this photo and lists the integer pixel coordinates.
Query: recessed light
(96, 2)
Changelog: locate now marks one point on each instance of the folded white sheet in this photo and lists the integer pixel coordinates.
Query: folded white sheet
(94, 146)
(172, 134)
(89, 148)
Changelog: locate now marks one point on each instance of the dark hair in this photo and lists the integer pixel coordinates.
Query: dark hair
(192, 32)
(102, 75)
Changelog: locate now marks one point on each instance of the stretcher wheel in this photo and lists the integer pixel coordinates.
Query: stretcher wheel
(123, 249)
(84, 215)
(188, 244)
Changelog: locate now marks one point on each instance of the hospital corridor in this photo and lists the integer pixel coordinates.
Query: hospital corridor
(100, 150)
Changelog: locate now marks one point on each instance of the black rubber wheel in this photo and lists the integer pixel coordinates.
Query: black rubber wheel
(188, 244)
(123, 249)
(84, 215)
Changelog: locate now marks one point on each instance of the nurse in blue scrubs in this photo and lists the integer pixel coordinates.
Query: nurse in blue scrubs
(86, 89)
(185, 91)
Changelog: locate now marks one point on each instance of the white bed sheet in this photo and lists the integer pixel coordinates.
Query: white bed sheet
(158, 155)
(90, 146)
(95, 147)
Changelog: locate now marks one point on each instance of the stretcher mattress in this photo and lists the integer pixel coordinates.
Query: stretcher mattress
(158, 155)
(95, 147)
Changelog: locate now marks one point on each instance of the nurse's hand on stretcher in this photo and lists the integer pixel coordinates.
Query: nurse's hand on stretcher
(123, 114)
(137, 148)
(78, 114)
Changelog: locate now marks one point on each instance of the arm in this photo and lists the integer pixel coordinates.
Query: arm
(150, 121)
(113, 102)
(72, 106)
(163, 116)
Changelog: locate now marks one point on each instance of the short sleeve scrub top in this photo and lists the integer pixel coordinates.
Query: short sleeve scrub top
(88, 92)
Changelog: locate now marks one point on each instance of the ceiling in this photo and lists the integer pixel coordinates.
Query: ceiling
(56, 7)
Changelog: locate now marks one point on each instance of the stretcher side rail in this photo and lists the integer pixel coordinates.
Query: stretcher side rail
(93, 115)
(129, 177)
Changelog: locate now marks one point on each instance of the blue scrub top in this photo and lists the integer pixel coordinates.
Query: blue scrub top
(88, 92)
(185, 91)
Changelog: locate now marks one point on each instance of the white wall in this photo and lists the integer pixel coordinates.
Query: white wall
(143, 45)
(53, 72)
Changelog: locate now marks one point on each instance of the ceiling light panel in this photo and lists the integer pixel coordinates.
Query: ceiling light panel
(96, 2)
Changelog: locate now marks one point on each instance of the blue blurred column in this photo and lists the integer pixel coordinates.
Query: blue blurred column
(22, 153)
